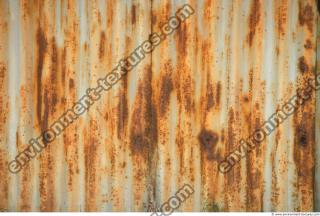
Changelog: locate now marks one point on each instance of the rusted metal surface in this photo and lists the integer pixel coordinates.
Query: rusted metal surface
(171, 120)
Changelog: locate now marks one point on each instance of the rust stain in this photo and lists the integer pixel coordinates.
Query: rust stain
(123, 108)
(143, 132)
(166, 87)
(254, 20)
(208, 140)
(282, 18)
(90, 166)
(102, 45)
(4, 186)
(133, 14)
(303, 66)
(71, 83)
(218, 94)
(210, 97)
(306, 16)
(308, 44)
(301, 135)
(42, 48)
(63, 66)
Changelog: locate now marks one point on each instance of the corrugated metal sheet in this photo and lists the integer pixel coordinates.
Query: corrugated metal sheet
(171, 120)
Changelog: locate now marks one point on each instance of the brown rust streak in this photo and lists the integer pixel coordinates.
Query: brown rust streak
(303, 66)
(46, 164)
(123, 99)
(143, 133)
(3, 122)
(306, 16)
(102, 45)
(304, 144)
(133, 14)
(183, 79)
(123, 108)
(230, 134)
(25, 195)
(43, 106)
(90, 166)
(143, 137)
(275, 181)
(282, 18)
(166, 87)
(304, 157)
(254, 20)
(42, 48)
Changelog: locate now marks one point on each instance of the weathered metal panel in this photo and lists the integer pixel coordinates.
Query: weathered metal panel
(169, 121)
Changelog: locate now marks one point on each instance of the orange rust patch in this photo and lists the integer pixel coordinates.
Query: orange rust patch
(306, 16)
(254, 20)
(208, 140)
(282, 18)
(303, 66)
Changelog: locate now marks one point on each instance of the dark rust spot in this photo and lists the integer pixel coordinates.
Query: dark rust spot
(208, 140)
(102, 45)
(71, 83)
(301, 135)
(308, 44)
(303, 66)
(306, 16)
(254, 20)
(246, 99)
